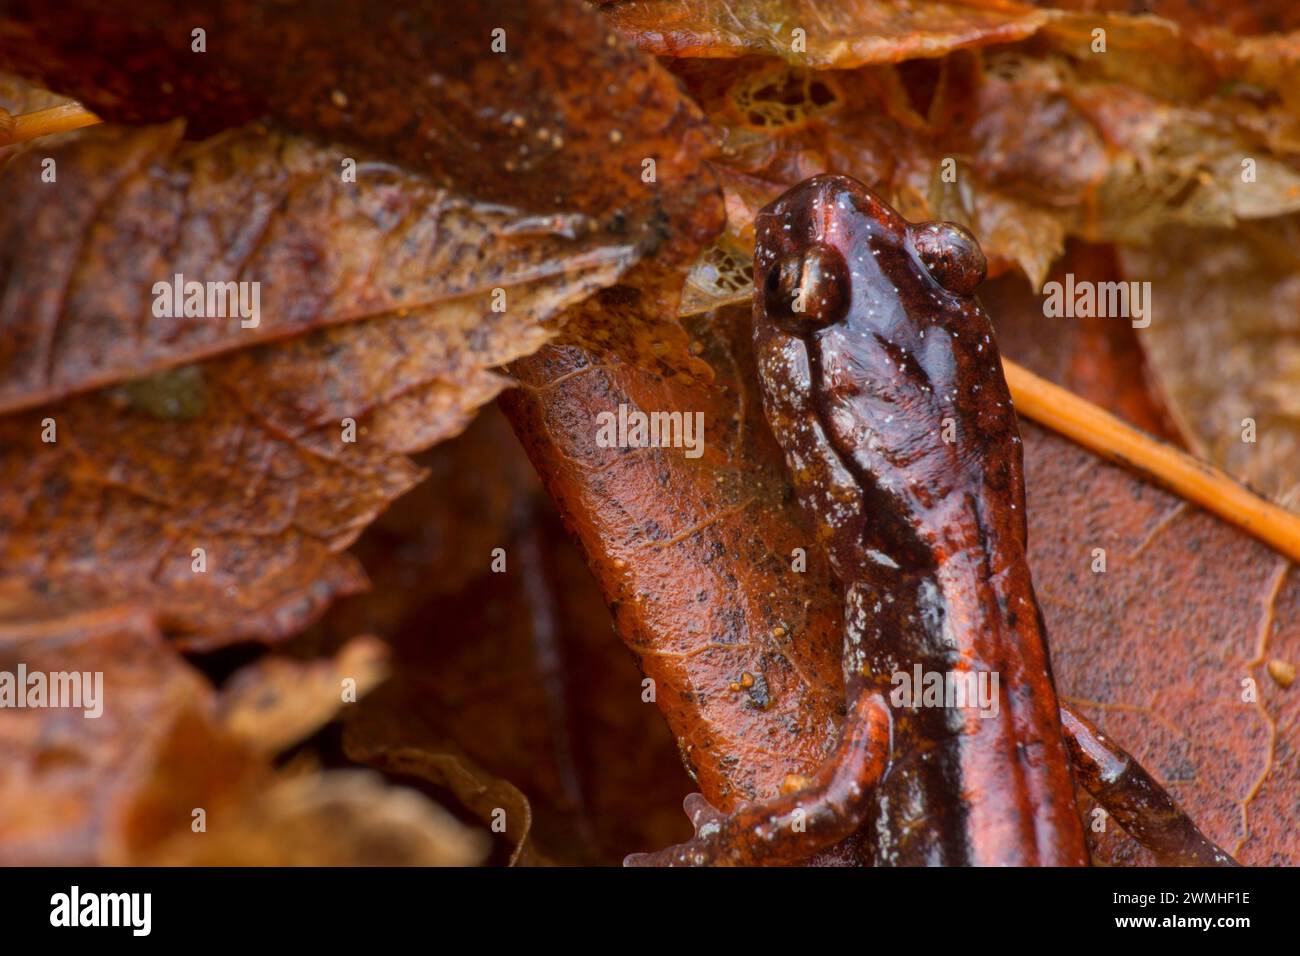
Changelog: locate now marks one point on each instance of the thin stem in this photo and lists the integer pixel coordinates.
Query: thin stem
(1200, 483)
(57, 119)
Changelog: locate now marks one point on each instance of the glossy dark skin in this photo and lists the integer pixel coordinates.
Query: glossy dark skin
(867, 363)
(906, 422)
(1134, 799)
(882, 383)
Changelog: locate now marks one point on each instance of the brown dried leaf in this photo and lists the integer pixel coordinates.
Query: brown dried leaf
(276, 702)
(338, 818)
(66, 780)
(1224, 344)
(693, 558)
(247, 454)
(1038, 146)
(696, 567)
(211, 457)
(841, 35)
(1156, 649)
(122, 788)
(517, 670)
(1116, 162)
(136, 207)
(1241, 17)
(498, 803)
(420, 85)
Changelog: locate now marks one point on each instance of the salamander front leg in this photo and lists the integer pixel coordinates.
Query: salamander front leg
(794, 826)
(1128, 793)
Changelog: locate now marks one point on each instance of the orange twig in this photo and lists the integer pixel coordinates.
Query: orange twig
(1202, 484)
(57, 119)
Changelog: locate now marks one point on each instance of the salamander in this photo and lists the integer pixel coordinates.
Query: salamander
(882, 383)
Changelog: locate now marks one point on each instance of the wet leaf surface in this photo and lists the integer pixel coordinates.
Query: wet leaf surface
(124, 787)
(693, 558)
(83, 305)
(511, 727)
(1156, 648)
(839, 35)
(271, 456)
(1225, 345)
(420, 85)
(516, 672)
(698, 575)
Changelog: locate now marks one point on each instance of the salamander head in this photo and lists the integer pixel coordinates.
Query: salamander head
(878, 365)
(827, 246)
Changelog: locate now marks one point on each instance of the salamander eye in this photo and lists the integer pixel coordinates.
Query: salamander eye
(951, 254)
(807, 290)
